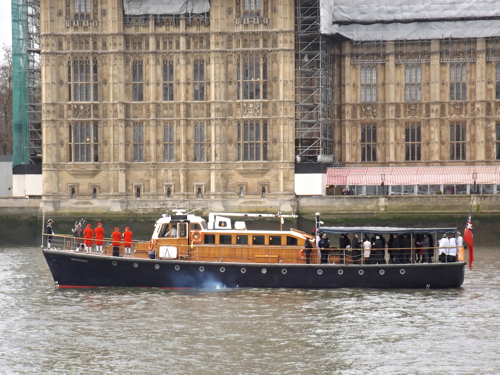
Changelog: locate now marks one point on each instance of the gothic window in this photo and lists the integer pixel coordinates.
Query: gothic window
(82, 9)
(251, 8)
(82, 80)
(168, 143)
(413, 85)
(413, 142)
(252, 141)
(458, 141)
(138, 142)
(497, 81)
(252, 78)
(458, 79)
(199, 142)
(368, 142)
(497, 144)
(168, 80)
(199, 79)
(137, 81)
(83, 142)
(368, 83)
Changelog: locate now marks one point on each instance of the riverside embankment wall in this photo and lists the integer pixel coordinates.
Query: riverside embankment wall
(22, 219)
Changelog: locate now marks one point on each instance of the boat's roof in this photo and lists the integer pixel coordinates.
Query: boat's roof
(380, 230)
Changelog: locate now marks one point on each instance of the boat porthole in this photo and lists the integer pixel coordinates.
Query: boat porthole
(114, 263)
(284, 271)
(341, 272)
(382, 272)
(202, 268)
(135, 265)
(243, 270)
(320, 272)
(157, 266)
(264, 271)
(402, 271)
(222, 269)
(361, 272)
(177, 267)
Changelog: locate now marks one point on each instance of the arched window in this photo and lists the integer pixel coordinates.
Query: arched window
(263, 194)
(199, 194)
(138, 192)
(94, 193)
(73, 193)
(169, 192)
(242, 192)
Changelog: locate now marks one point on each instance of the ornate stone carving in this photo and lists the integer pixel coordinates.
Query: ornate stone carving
(458, 109)
(368, 111)
(412, 110)
(251, 110)
(81, 110)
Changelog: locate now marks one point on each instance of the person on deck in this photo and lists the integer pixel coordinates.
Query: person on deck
(395, 252)
(308, 250)
(99, 238)
(460, 246)
(367, 245)
(406, 249)
(116, 238)
(49, 231)
(452, 251)
(379, 251)
(444, 245)
(127, 241)
(324, 244)
(426, 244)
(88, 233)
(355, 249)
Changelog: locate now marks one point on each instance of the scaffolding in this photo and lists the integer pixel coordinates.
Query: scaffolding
(27, 88)
(314, 87)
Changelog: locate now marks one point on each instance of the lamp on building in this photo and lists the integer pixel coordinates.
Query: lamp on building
(474, 177)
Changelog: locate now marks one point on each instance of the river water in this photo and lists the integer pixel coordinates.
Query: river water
(44, 330)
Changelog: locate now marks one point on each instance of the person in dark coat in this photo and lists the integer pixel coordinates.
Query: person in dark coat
(406, 251)
(324, 243)
(394, 249)
(49, 231)
(355, 249)
(379, 250)
(308, 250)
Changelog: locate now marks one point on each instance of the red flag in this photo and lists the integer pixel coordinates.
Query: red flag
(469, 238)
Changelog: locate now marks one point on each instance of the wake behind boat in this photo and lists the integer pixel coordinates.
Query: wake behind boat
(186, 251)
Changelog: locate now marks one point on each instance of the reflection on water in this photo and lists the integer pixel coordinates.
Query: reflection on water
(245, 331)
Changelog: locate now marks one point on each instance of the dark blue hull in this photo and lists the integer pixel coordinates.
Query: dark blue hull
(81, 270)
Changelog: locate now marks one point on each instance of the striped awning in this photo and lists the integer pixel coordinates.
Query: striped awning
(413, 175)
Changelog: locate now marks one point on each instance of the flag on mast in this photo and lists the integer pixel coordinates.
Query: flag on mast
(469, 238)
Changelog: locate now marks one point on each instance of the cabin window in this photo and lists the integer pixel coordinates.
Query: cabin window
(242, 240)
(275, 240)
(182, 230)
(195, 226)
(209, 239)
(258, 240)
(225, 239)
(291, 241)
(164, 232)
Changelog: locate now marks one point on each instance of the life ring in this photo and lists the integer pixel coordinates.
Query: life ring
(196, 237)
(302, 255)
(151, 245)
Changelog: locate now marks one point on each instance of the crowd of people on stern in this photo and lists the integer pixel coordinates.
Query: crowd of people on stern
(401, 248)
(85, 238)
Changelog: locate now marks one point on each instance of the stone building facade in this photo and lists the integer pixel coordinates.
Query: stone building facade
(167, 110)
(418, 103)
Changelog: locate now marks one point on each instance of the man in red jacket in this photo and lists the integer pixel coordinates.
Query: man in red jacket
(99, 238)
(127, 241)
(88, 233)
(116, 238)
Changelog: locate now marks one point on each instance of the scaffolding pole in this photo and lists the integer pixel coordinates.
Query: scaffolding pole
(314, 87)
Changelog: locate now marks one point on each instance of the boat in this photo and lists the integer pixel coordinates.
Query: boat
(186, 251)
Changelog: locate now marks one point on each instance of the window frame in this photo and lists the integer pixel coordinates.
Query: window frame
(458, 81)
(458, 148)
(413, 141)
(137, 81)
(368, 142)
(138, 141)
(252, 140)
(413, 82)
(368, 83)
(89, 148)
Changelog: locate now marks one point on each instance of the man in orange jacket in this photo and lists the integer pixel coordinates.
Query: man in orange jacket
(88, 233)
(99, 238)
(127, 241)
(116, 238)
